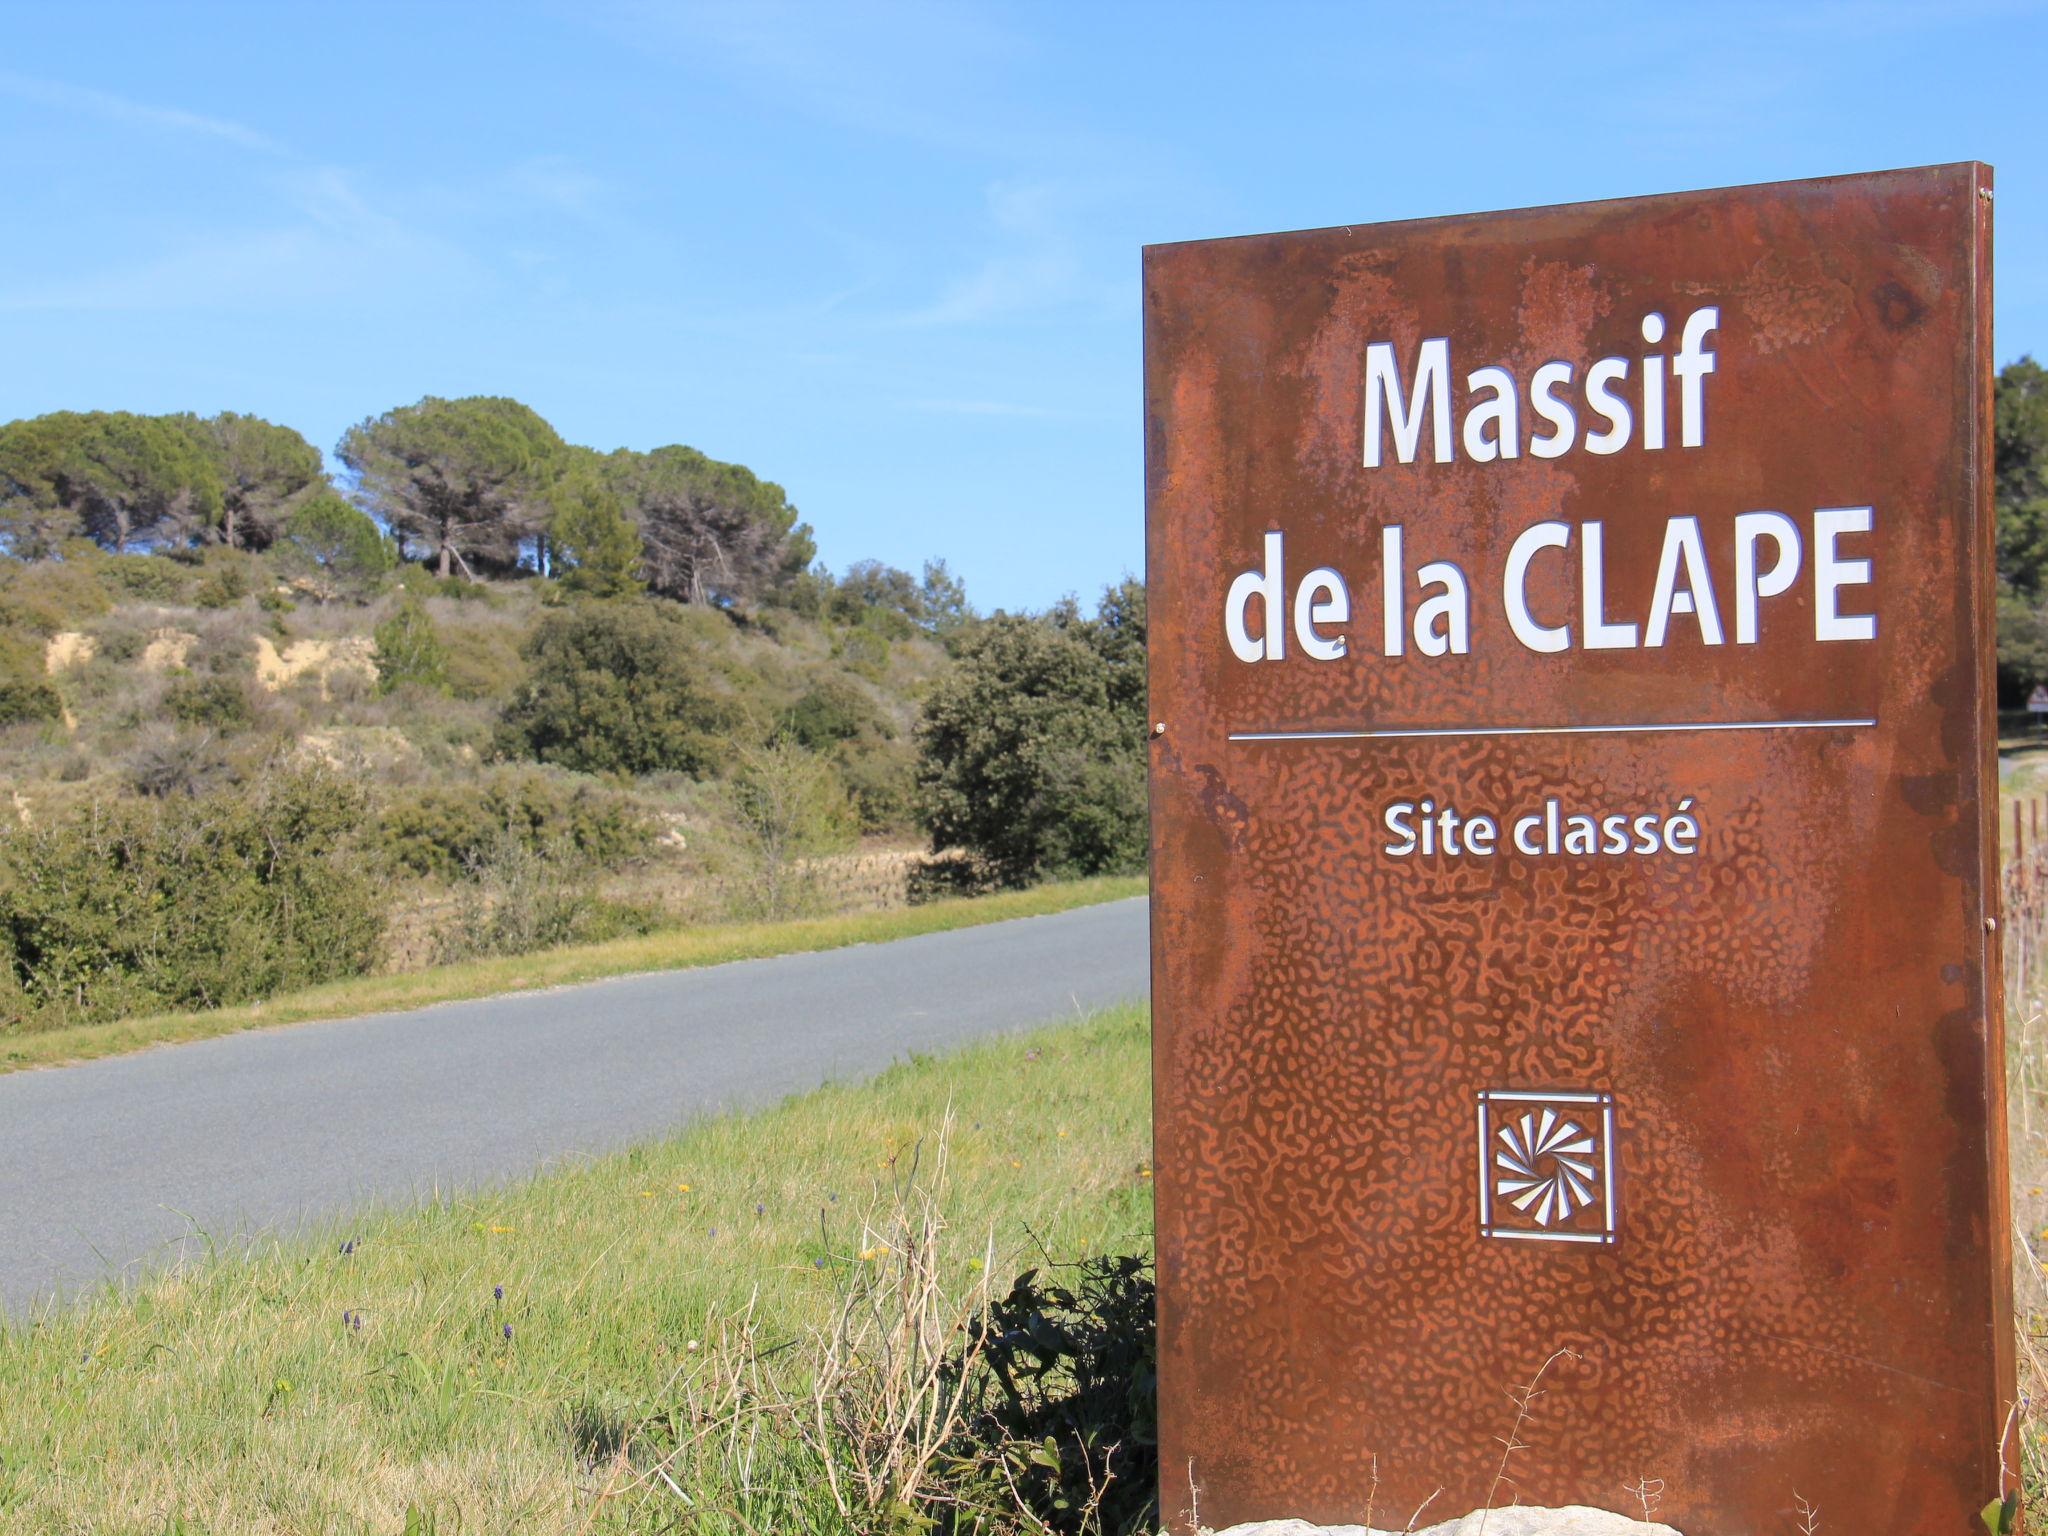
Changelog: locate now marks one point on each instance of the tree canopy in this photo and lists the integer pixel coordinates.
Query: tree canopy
(264, 470)
(595, 545)
(1031, 751)
(2019, 467)
(709, 532)
(332, 549)
(123, 480)
(614, 688)
(464, 482)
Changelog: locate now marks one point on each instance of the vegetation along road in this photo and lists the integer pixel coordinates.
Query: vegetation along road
(116, 1166)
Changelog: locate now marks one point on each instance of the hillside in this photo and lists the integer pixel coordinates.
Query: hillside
(489, 693)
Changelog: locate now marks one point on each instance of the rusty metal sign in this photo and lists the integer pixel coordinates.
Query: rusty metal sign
(1574, 851)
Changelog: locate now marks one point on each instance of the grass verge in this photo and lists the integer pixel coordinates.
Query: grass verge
(477, 1365)
(670, 950)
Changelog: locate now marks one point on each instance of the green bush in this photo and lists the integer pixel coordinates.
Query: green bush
(613, 688)
(881, 778)
(1031, 752)
(863, 650)
(149, 578)
(443, 830)
(224, 585)
(408, 649)
(120, 638)
(217, 703)
(485, 660)
(28, 701)
(833, 711)
(1061, 1388)
(45, 596)
(129, 906)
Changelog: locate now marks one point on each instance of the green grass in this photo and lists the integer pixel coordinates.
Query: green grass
(673, 949)
(232, 1397)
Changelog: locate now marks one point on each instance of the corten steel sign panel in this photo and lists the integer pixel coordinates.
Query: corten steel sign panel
(1573, 859)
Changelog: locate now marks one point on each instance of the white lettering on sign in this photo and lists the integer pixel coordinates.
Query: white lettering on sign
(1611, 404)
(1492, 413)
(1431, 608)
(1425, 829)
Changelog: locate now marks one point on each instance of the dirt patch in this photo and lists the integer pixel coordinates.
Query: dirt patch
(325, 661)
(167, 649)
(66, 649)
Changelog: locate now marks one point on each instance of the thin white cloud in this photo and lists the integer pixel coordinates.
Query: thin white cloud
(924, 70)
(331, 245)
(556, 182)
(120, 109)
(1036, 265)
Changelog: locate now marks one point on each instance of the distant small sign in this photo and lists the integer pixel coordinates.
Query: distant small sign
(2037, 702)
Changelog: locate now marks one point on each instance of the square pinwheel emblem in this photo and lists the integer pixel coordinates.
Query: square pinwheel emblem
(1546, 1165)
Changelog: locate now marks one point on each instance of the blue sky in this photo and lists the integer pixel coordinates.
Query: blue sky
(886, 255)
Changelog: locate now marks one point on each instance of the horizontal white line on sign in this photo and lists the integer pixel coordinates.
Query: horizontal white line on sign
(1549, 1237)
(1551, 730)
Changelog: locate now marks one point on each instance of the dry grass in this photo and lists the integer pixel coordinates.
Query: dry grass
(677, 1338)
(2025, 906)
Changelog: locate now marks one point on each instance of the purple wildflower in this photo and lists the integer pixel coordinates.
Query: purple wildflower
(497, 1293)
(508, 1330)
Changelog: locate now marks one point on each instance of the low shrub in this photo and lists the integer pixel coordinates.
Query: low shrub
(129, 906)
(224, 585)
(121, 637)
(442, 830)
(833, 711)
(483, 656)
(791, 810)
(22, 701)
(1062, 1397)
(944, 876)
(168, 761)
(863, 650)
(46, 596)
(212, 703)
(515, 898)
(881, 779)
(21, 656)
(149, 578)
(408, 649)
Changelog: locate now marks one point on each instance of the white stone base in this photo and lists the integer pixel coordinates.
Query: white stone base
(1520, 1520)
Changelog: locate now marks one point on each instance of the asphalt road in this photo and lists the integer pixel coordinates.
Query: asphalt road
(112, 1167)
